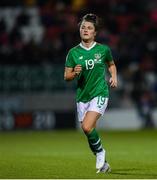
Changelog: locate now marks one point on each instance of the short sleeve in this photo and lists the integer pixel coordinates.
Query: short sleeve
(108, 54)
(69, 60)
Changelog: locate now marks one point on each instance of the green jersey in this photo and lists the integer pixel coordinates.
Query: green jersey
(91, 81)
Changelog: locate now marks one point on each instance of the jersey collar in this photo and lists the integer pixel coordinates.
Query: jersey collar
(86, 47)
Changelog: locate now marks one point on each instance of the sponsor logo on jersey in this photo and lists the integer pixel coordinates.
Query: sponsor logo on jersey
(81, 57)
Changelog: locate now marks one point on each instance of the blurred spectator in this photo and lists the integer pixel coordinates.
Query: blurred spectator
(143, 95)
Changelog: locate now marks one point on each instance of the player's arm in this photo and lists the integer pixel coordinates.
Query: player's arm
(71, 73)
(113, 72)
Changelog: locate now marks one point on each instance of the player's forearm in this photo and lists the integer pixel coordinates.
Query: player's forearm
(113, 71)
(71, 73)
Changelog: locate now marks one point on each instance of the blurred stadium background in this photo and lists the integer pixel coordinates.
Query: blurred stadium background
(35, 36)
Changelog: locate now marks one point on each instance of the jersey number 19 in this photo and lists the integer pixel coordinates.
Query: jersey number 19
(89, 64)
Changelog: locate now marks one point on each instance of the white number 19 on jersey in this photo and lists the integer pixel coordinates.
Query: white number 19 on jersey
(89, 64)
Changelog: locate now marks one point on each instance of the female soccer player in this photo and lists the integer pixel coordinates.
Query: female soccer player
(86, 62)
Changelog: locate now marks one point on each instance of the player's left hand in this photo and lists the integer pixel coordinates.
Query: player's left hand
(113, 82)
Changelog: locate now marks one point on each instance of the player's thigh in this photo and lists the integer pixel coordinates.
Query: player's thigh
(95, 109)
(90, 120)
(81, 110)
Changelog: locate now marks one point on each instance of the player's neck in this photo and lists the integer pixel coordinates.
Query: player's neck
(87, 44)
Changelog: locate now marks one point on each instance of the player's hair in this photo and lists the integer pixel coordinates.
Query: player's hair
(91, 18)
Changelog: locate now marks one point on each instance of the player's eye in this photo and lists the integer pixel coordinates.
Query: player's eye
(90, 28)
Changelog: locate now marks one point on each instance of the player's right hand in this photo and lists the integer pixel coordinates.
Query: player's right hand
(78, 69)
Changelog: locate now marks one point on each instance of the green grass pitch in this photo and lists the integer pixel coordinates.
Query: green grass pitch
(65, 154)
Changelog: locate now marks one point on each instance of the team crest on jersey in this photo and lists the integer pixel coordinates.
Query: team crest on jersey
(97, 56)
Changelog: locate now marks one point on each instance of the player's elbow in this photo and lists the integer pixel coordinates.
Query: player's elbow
(66, 78)
(69, 76)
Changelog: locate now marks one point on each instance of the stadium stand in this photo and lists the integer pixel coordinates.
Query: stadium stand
(35, 36)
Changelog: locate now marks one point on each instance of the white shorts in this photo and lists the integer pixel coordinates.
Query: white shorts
(97, 104)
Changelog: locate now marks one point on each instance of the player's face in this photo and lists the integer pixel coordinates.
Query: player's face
(87, 31)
